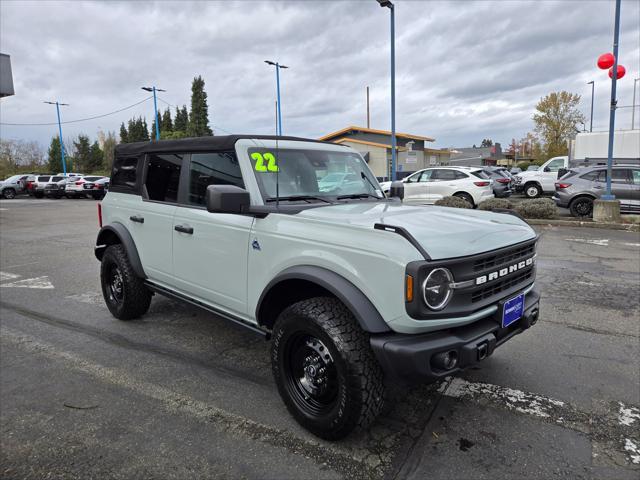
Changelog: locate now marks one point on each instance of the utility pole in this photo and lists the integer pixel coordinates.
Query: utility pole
(390, 6)
(591, 121)
(155, 107)
(633, 104)
(64, 163)
(369, 118)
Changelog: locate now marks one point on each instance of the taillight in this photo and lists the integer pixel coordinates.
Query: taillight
(79, 183)
(562, 185)
(503, 180)
(481, 184)
(98, 186)
(100, 215)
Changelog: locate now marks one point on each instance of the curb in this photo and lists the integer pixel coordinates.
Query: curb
(631, 227)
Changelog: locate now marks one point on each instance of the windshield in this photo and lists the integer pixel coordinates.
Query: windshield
(312, 173)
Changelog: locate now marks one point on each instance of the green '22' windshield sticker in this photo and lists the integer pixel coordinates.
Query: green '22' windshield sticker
(261, 158)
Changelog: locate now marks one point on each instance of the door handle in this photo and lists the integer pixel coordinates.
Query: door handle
(183, 229)
(136, 218)
(598, 187)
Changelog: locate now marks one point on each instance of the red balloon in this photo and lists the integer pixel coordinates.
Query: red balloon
(606, 60)
(621, 72)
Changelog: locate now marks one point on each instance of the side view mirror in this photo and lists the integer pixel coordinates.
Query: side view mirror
(227, 199)
(547, 169)
(397, 189)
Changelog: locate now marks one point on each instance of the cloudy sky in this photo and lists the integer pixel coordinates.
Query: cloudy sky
(465, 70)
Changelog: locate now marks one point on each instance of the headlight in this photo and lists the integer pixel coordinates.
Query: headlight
(437, 289)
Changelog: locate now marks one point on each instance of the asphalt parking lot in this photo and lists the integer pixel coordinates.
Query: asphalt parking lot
(183, 394)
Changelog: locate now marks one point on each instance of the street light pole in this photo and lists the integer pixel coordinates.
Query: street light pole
(155, 107)
(279, 110)
(64, 163)
(612, 114)
(390, 6)
(633, 104)
(591, 121)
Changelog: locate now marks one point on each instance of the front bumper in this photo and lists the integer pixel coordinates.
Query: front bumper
(417, 358)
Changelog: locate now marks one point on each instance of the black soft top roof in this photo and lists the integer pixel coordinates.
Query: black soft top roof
(197, 144)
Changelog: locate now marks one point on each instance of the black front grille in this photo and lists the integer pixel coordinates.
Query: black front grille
(502, 258)
(498, 287)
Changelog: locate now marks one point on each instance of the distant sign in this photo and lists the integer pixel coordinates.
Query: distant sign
(433, 160)
(6, 78)
(412, 157)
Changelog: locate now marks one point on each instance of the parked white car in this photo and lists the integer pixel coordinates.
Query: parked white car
(543, 180)
(431, 184)
(75, 187)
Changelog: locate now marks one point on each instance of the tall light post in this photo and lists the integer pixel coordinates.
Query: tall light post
(633, 104)
(279, 109)
(64, 163)
(612, 114)
(592, 83)
(155, 107)
(390, 6)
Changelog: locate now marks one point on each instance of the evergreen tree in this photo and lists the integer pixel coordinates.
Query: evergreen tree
(182, 120)
(166, 125)
(124, 136)
(96, 156)
(144, 129)
(108, 149)
(199, 116)
(153, 129)
(83, 153)
(54, 162)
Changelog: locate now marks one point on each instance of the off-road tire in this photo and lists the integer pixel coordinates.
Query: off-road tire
(135, 297)
(466, 197)
(358, 378)
(532, 190)
(581, 207)
(9, 193)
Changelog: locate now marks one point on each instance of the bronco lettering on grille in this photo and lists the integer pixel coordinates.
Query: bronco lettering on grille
(504, 271)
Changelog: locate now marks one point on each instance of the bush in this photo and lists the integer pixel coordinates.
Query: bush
(495, 203)
(454, 202)
(537, 208)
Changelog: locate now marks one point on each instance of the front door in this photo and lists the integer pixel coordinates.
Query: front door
(415, 187)
(549, 178)
(210, 250)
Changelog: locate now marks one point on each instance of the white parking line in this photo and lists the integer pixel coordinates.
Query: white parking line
(4, 276)
(633, 449)
(604, 242)
(628, 415)
(38, 282)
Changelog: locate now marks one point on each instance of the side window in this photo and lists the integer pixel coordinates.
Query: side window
(124, 174)
(556, 165)
(591, 176)
(426, 175)
(635, 176)
(163, 177)
(446, 175)
(619, 175)
(212, 169)
(459, 175)
(414, 178)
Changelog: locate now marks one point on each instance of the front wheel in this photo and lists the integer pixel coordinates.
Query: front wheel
(9, 193)
(124, 292)
(581, 207)
(324, 368)
(532, 190)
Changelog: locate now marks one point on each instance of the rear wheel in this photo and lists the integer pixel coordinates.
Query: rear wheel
(532, 190)
(9, 193)
(324, 368)
(466, 197)
(581, 207)
(38, 194)
(124, 292)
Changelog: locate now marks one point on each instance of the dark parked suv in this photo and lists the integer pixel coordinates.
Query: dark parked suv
(578, 188)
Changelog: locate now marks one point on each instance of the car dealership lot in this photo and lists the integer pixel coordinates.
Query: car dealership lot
(180, 393)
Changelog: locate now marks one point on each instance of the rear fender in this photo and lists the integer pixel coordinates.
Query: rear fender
(116, 233)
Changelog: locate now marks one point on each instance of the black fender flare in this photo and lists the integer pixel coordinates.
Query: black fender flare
(357, 302)
(106, 238)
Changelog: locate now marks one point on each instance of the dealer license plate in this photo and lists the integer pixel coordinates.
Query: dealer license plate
(513, 310)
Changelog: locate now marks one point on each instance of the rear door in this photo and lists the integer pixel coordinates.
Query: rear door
(443, 183)
(210, 250)
(151, 220)
(621, 186)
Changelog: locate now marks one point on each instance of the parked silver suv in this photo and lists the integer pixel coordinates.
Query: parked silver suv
(578, 188)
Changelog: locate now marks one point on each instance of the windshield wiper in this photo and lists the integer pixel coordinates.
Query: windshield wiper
(357, 195)
(293, 198)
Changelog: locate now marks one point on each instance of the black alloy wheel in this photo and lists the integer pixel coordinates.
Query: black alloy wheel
(9, 193)
(581, 207)
(115, 284)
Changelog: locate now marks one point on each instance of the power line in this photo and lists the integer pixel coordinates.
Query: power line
(78, 120)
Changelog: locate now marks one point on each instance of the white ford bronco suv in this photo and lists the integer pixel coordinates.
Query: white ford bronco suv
(354, 289)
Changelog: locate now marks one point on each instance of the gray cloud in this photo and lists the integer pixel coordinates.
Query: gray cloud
(465, 70)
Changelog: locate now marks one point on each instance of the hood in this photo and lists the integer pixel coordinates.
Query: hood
(443, 232)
